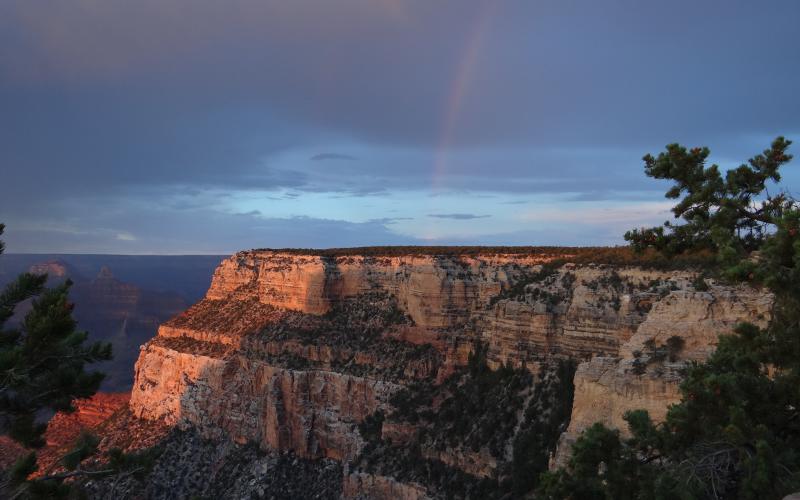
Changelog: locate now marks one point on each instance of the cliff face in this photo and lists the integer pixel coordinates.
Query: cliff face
(640, 377)
(354, 358)
(63, 429)
(312, 412)
(435, 291)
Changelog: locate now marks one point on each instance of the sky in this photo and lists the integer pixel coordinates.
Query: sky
(199, 126)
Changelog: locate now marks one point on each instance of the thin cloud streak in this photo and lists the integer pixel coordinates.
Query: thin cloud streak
(332, 156)
(458, 216)
(632, 215)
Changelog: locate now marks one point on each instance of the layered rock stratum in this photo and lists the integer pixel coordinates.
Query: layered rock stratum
(422, 375)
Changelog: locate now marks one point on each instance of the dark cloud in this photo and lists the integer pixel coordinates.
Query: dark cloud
(284, 196)
(458, 216)
(408, 73)
(148, 102)
(332, 156)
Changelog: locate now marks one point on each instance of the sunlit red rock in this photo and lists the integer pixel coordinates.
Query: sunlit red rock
(212, 368)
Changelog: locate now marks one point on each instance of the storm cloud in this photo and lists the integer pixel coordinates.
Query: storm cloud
(203, 126)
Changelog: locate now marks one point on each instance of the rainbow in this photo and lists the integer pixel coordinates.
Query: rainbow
(459, 86)
(464, 75)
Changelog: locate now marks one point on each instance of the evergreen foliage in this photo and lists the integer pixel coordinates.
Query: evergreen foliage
(515, 417)
(545, 419)
(138, 463)
(84, 447)
(42, 367)
(736, 431)
(727, 214)
(42, 359)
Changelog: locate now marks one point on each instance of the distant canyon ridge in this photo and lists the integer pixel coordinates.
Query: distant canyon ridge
(119, 298)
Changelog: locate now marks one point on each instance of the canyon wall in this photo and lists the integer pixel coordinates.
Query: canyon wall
(303, 352)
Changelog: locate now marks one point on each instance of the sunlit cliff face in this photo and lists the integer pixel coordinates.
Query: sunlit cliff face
(267, 333)
(373, 359)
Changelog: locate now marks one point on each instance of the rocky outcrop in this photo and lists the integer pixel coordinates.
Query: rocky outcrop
(574, 311)
(123, 314)
(114, 297)
(189, 466)
(303, 352)
(700, 317)
(56, 270)
(434, 291)
(64, 428)
(311, 412)
(362, 486)
(607, 387)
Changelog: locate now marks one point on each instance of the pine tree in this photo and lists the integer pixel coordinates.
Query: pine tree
(736, 431)
(42, 361)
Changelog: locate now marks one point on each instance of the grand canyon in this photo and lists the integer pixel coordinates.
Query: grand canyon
(392, 373)
(399, 249)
